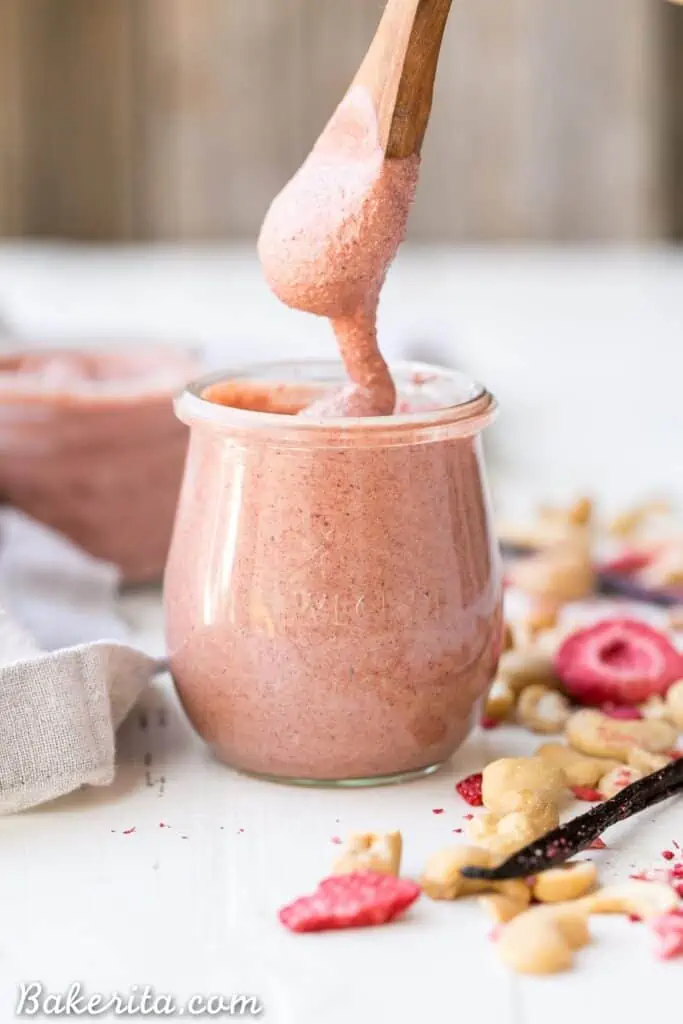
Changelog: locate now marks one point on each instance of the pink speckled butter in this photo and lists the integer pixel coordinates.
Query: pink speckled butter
(327, 242)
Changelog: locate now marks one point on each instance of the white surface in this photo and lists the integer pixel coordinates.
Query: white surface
(83, 901)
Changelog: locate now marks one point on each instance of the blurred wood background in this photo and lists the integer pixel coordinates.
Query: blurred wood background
(179, 119)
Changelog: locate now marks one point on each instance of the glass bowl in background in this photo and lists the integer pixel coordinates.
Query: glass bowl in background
(90, 446)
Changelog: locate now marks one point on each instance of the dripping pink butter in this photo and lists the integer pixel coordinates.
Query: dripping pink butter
(328, 239)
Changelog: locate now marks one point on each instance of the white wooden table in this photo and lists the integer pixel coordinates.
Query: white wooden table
(95, 889)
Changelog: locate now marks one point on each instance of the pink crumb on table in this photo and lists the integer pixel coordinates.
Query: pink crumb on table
(598, 844)
(668, 854)
(468, 817)
(337, 840)
(128, 831)
(487, 722)
(437, 810)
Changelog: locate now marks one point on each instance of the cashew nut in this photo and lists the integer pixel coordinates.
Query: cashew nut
(500, 700)
(542, 710)
(655, 707)
(631, 520)
(618, 779)
(505, 834)
(645, 762)
(559, 574)
(523, 666)
(558, 885)
(674, 703)
(640, 898)
(591, 732)
(579, 769)
(443, 880)
(506, 783)
(542, 940)
(368, 851)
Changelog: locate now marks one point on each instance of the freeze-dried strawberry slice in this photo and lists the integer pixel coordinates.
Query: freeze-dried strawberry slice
(355, 900)
(621, 661)
(669, 930)
(469, 789)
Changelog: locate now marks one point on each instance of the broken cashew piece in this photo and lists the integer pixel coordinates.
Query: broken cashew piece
(558, 885)
(542, 710)
(370, 851)
(543, 940)
(500, 700)
(502, 907)
(618, 779)
(580, 769)
(442, 878)
(637, 897)
(674, 702)
(591, 732)
(507, 783)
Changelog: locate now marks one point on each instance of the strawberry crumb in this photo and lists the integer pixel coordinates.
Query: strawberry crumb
(337, 840)
(437, 810)
(128, 831)
(634, 919)
(495, 933)
(467, 817)
(162, 824)
(668, 854)
(487, 722)
(469, 789)
(675, 755)
(457, 830)
(598, 844)
(588, 793)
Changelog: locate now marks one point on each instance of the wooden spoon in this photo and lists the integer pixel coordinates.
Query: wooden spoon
(399, 71)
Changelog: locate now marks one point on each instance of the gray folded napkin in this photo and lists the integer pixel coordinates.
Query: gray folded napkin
(67, 677)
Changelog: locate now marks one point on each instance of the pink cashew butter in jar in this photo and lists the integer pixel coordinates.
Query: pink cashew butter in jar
(90, 446)
(333, 592)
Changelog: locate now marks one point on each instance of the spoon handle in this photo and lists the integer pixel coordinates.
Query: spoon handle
(399, 71)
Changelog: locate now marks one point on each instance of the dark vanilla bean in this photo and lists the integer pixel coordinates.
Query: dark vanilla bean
(576, 835)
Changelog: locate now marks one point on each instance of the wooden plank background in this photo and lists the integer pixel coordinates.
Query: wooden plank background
(179, 119)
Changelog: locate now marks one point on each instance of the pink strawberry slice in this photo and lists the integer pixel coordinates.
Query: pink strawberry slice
(617, 660)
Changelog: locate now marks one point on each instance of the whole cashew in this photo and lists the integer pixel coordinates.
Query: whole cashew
(543, 940)
(618, 779)
(557, 885)
(503, 834)
(640, 898)
(542, 710)
(443, 880)
(579, 769)
(507, 783)
(591, 732)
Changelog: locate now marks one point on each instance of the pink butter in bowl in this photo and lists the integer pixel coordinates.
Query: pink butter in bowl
(90, 446)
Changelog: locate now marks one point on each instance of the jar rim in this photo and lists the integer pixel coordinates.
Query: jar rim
(466, 416)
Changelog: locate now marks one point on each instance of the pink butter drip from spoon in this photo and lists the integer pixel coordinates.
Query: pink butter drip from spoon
(329, 238)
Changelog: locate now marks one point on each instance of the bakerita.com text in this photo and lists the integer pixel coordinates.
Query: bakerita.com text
(139, 1001)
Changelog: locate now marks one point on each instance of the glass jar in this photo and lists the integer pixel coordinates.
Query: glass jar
(333, 593)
